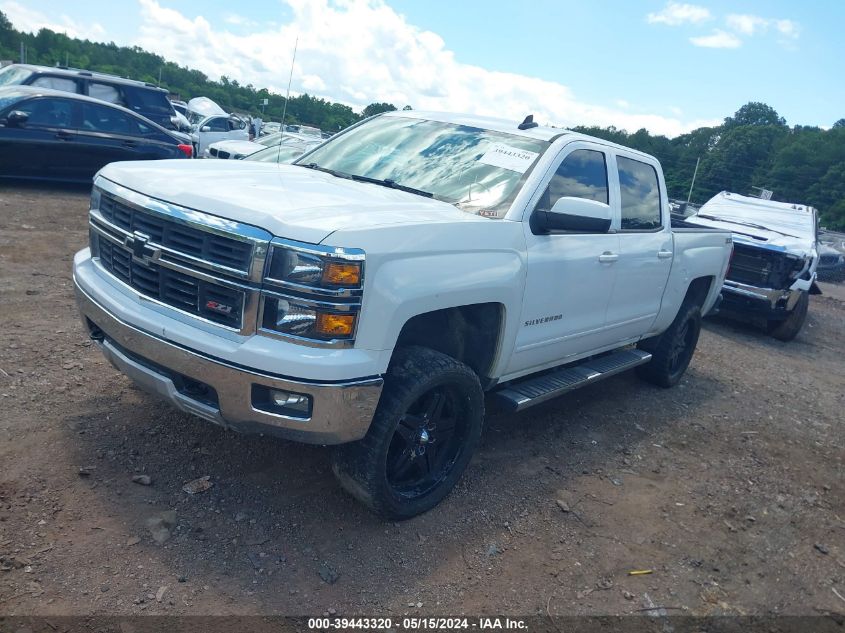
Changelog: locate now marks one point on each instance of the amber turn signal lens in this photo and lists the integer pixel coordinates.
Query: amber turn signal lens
(342, 274)
(335, 325)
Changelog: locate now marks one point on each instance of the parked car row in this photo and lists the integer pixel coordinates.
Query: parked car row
(228, 150)
(49, 134)
(141, 98)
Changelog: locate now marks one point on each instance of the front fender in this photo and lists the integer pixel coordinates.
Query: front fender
(433, 267)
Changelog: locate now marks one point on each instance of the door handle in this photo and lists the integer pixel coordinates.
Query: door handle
(130, 143)
(61, 134)
(608, 258)
(664, 254)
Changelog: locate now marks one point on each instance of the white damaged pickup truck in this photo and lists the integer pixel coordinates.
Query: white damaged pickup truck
(368, 295)
(773, 267)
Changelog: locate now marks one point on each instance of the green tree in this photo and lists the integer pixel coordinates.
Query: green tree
(377, 108)
(755, 113)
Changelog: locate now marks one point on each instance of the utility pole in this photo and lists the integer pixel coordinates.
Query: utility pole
(22, 53)
(694, 174)
(159, 75)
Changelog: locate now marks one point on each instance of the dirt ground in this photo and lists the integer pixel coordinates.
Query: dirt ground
(728, 487)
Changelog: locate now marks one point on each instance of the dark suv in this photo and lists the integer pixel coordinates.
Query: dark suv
(145, 99)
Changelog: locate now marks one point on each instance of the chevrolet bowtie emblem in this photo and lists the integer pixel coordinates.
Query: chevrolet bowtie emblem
(137, 243)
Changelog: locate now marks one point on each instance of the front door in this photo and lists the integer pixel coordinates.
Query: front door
(45, 146)
(570, 275)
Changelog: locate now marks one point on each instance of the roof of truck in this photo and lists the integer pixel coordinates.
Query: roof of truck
(507, 126)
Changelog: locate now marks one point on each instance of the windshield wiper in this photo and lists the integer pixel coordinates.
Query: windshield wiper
(316, 167)
(392, 184)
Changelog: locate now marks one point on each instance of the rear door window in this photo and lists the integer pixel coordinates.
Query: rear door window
(48, 112)
(64, 84)
(640, 192)
(106, 92)
(97, 118)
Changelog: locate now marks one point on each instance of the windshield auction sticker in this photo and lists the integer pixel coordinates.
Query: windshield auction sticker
(507, 157)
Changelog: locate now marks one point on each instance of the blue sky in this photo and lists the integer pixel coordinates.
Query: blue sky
(666, 66)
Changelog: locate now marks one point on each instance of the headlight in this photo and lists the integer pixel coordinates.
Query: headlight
(312, 292)
(318, 322)
(318, 270)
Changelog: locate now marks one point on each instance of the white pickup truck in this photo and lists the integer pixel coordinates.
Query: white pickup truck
(368, 295)
(773, 268)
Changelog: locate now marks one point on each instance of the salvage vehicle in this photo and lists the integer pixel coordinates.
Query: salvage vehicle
(773, 269)
(142, 98)
(53, 135)
(369, 294)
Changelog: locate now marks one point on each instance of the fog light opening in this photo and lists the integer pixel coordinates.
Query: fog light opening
(281, 402)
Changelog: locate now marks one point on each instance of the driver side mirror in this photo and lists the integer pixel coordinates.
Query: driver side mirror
(205, 128)
(576, 215)
(16, 118)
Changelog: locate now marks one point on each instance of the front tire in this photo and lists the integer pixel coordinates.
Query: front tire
(672, 351)
(788, 329)
(424, 432)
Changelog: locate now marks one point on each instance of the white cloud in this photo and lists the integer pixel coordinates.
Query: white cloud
(787, 28)
(675, 14)
(238, 20)
(753, 24)
(746, 24)
(361, 51)
(717, 39)
(31, 21)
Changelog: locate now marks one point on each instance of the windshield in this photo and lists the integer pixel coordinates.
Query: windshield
(479, 171)
(8, 96)
(13, 75)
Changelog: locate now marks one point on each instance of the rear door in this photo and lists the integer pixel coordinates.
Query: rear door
(108, 135)
(46, 145)
(570, 275)
(645, 246)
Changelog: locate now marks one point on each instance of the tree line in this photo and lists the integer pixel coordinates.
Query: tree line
(753, 148)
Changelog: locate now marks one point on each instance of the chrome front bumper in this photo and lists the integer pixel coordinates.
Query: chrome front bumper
(340, 412)
(785, 299)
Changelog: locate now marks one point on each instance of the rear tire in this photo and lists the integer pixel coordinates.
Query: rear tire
(672, 351)
(788, 329)
(424, 432)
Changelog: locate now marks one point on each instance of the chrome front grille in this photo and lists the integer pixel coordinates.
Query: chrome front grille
(173, 288)
(198, 243)
(201, 265)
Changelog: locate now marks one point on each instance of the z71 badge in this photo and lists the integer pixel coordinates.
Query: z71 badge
(554, 317)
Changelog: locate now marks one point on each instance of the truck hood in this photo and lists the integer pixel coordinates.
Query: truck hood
(288, 201)
(772, 238)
